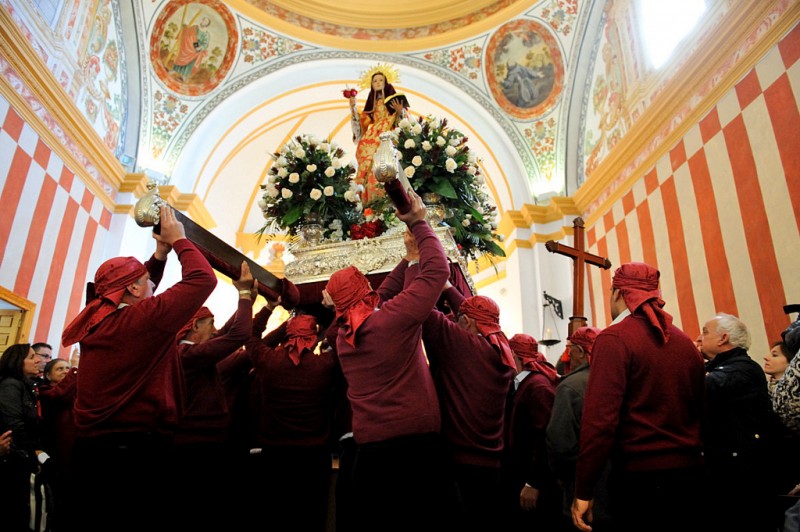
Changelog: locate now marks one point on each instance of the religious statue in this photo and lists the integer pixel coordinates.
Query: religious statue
(381, 113)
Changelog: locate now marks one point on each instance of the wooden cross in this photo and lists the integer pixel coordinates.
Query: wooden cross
(580, 257)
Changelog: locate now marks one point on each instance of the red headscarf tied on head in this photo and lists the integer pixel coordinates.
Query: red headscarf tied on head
(353, 298)
(486, 314)
(584, 337)
(301, 335)
(638, 284)
(526, 348)
(199, 315)
(110, 281)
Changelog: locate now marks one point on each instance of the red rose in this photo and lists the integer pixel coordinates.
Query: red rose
(373, 228)
(356, 232)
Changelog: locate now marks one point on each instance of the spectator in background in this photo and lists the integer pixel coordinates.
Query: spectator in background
(786, 403)
(564, 430)
(57, 396)
(786, 394)
(776, 362)
(741, 428)
(44, 354)
(18, 413)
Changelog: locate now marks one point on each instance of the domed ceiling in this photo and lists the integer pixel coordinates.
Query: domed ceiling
(375, 26)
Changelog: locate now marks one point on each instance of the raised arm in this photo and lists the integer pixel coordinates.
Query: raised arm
(176, 306)
(420, 295)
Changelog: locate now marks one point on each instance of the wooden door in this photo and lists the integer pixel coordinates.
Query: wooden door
(10, 322)
(16, 318)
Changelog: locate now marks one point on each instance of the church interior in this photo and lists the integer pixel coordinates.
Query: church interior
(684, 157)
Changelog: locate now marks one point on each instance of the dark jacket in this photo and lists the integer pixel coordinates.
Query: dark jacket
(18, 412)
(740, 417)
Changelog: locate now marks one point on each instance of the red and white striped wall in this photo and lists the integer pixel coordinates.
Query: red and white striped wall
(52, 228)
(719, 215)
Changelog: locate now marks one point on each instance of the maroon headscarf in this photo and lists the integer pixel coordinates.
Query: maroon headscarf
(526, 348)
(486, 314)
(301, 335)
(110, 282)
(202, 313)
(638, 284)
(584, 337)
(353, 298)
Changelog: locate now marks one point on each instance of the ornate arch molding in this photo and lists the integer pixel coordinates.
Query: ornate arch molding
(480, 99)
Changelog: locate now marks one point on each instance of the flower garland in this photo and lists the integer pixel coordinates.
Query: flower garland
(436, 159)
(310, 182)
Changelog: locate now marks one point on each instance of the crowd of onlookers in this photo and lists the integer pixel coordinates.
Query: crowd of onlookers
(432, 417)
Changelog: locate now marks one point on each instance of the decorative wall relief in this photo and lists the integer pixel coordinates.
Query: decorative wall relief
(193, 45)
(524, 68)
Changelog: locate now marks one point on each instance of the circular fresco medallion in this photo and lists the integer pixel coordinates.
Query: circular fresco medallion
(193, 45)
(524, 68)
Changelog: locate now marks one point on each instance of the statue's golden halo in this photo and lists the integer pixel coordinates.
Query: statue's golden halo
(390, 71)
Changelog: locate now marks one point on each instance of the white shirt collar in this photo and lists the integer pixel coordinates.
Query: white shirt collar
(520, 377)
(622, 315)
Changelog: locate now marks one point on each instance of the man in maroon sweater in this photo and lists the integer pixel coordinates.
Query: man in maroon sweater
(130, 386)
(398, 471)
(643, 410)
(533, 494)
(472, 366)
(207, 494)
(299, 387)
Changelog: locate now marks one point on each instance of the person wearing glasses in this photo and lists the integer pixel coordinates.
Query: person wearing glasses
(44, 354)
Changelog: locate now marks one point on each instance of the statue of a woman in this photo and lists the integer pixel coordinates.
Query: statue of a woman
(373, 120)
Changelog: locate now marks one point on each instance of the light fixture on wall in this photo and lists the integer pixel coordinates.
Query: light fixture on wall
(551, 308)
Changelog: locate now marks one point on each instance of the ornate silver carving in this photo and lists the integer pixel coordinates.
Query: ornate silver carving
(147, 211)
(370, 255)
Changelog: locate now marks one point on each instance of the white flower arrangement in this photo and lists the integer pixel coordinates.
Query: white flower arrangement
(310, 179)
(436, 159)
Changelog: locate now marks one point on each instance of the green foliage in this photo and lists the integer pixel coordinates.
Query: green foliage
(310, 179)
(436, 158)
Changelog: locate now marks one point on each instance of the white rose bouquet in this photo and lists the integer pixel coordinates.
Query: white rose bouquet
(310, 181)
(436, 159)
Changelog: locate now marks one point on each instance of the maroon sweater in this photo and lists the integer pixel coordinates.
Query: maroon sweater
(390, 387)
(527, 427)
(205, 415)
(130, 377)
(58, 419)
(644, 403)
(298, 403)
(472, 383)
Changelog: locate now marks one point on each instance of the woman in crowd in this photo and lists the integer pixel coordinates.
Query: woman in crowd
(776, 362)
(57, 395)
(18, 413)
